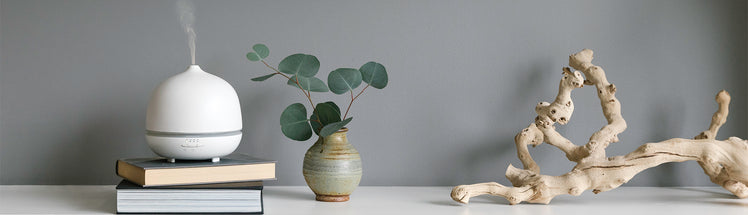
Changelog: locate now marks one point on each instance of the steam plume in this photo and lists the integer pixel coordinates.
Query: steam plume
(186, 12)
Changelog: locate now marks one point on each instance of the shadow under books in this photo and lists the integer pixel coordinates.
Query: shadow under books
(90, 200)
(289, 194)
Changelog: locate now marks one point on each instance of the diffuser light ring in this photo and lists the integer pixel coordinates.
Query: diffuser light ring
(193, 148)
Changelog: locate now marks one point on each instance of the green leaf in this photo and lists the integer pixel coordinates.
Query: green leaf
(261, 50)
(374, 74)
(299, 64)
(333, 127)
(264, 77)
(294, 122)
(343, 80)
(325, 114)
(308, 83)
(253, 56)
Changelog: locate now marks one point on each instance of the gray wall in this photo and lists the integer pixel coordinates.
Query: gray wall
(464, 78)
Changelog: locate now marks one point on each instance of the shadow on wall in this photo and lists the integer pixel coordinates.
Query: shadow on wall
(669, 125)
(528, 85)
(495, 151)
(260, 122)
(89, 156)
(262, 134)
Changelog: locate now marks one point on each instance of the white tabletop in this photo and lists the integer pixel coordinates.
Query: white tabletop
(400, 200)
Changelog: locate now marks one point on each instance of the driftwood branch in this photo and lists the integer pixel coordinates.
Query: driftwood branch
(725, 161)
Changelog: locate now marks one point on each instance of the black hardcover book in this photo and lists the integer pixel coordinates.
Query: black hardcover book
(237, 197)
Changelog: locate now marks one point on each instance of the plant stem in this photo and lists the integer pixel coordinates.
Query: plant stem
(274, 69)
(362, 91)
(349, 106)
(308, 95)
(353, 98)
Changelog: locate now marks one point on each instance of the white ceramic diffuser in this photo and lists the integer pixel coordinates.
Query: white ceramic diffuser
(193, 116)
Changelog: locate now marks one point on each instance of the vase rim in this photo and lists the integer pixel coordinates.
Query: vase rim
(343, 129)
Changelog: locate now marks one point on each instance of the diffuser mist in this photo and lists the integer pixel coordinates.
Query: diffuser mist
(193, 115)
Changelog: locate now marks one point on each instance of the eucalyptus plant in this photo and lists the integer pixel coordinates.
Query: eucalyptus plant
(300, 70)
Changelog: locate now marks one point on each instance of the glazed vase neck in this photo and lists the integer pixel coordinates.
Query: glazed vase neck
(338, 137)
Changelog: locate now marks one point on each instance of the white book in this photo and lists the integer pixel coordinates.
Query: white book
(242, 197)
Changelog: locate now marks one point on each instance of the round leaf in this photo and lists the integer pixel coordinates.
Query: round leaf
(343, 80)
(264, 77)
(299, 64)
(308, 83)
(253, 56)
(261, 50)
(324, 114)
(333, 127)
(374, 74)
(294, 122)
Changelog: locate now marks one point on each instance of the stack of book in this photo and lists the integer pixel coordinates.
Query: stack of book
(153, 185)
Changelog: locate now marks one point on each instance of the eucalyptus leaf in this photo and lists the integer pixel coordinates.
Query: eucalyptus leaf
(308, 83)
(333, 127)
(374, 74)
(264, 77)
(261, 50)
(294, 122)
(299, 64)
(253, 56)
(324, 114)
(343, 80)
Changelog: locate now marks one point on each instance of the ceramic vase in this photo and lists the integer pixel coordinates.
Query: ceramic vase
(332, 168)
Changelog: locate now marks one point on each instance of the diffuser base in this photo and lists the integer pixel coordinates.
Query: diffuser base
(174, 160)
(194, 146)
